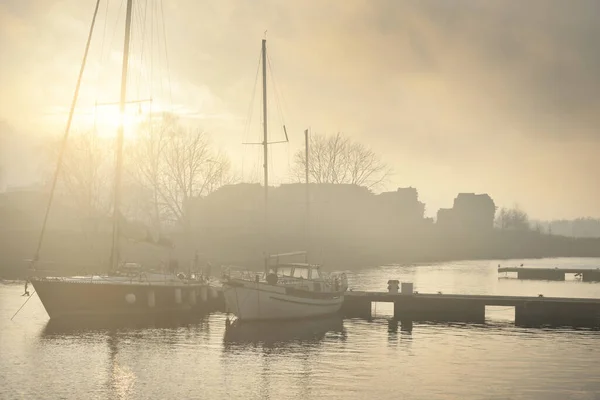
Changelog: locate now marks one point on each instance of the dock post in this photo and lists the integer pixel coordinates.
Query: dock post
(406, 325)
(219, 301)
(356, 307)
(406, 291)
(542, 274)
(440, 309)
(591, 276)
(539, 313)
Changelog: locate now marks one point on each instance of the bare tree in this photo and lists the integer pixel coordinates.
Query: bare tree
(337, 159)
(166, 167)
(86, 174)
(146, 164)
(176, 165)
(513, 218)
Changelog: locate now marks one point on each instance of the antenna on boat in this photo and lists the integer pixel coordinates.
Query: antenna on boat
(306, 145)
(114, 256)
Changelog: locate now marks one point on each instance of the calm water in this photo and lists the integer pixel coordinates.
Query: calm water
(331, 358)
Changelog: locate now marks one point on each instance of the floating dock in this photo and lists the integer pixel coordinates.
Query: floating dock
(529, 311)
(553, 274)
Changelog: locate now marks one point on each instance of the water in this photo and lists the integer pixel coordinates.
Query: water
(330, 358)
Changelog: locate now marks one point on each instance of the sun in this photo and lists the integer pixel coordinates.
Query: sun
(108, 119)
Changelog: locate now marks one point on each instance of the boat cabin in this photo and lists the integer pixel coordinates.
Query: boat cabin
(129, 268)
(297, 270)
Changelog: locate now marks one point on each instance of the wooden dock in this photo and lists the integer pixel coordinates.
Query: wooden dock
(529, 311)
(553, 274)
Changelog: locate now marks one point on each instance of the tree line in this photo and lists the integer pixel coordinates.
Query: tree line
(168, 164)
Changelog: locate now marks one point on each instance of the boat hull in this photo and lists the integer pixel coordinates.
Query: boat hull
(66, 299)
(259, 301)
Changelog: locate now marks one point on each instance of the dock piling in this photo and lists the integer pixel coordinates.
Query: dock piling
(552, 274)
(529, 310)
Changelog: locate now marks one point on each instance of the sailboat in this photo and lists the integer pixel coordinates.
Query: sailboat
(285, 290)
(126, 289)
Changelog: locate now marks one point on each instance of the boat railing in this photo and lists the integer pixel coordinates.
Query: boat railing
(338, 280)
(332, 279)
(235, 272)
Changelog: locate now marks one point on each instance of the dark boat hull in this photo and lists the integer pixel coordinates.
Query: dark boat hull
(66, 299)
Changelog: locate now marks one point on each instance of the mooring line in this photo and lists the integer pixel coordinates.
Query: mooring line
(29, 298)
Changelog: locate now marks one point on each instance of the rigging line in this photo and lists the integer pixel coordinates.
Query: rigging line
(95, 116)
(104, 31)
(101, 67)
(29, 298)
(156, 25)
(141, 17)
(277, 91)
(144, 25)
(249, 116)
(151, 55)
(112, 39)
(142, 66)
(114, 32)
(262, 122)
(65, 137)
(132, 48)
(139, 27)
(270, 161)
(155, 206)
(135, 27)
(287, 151)
(166, 54)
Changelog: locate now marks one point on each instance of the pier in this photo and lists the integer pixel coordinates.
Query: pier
(553, 274)
(529, 311)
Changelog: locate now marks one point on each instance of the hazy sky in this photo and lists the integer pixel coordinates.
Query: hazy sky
(477, 96)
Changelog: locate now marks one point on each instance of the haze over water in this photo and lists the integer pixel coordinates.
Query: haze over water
(330, 358)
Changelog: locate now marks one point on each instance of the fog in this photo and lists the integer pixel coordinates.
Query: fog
(494, 98)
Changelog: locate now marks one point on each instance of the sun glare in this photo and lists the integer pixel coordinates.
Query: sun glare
(108, 119)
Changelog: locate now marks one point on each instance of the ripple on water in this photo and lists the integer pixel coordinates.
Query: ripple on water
(350, 359)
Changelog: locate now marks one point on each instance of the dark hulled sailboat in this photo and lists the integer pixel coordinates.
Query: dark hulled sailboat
(125, 289)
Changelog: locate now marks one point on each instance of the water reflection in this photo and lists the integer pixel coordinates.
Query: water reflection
(118, 345)
(120, 378)
(71, 327)
(280, 333)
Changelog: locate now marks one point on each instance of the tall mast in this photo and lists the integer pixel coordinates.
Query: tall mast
(114, 256)
(265, 151)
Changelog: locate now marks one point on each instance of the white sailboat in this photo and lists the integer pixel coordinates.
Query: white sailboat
(284, 290)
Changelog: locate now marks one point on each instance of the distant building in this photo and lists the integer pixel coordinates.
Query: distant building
(401, 207)
(340, 212)
(446, 217)
(471, 212)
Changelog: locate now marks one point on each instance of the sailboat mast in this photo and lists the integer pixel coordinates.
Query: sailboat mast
(265, 150)
(114, 257)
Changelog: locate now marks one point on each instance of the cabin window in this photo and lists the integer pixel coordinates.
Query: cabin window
(301, 273)
(315, 274)
(284, 271)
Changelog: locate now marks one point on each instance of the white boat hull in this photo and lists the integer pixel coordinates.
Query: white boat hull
(253, 301)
